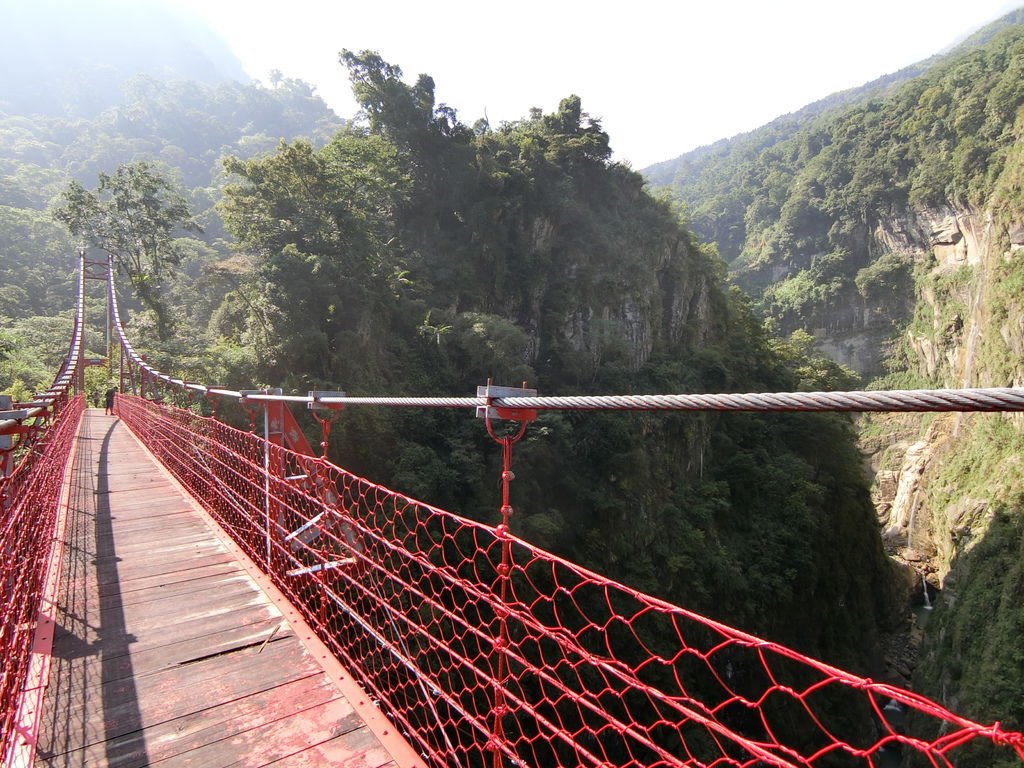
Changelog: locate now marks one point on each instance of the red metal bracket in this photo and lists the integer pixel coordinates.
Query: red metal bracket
(316, 406)
(492, 392)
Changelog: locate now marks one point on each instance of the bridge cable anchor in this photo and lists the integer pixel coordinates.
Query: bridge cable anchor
(490, 413)
(317, 407)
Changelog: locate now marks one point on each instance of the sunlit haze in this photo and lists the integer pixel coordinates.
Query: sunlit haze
(663, 78)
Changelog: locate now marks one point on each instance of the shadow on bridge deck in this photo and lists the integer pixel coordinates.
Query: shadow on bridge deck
(166, 652)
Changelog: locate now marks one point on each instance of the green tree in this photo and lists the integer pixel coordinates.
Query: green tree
(134, 216)
(7, 346)
(328, 256)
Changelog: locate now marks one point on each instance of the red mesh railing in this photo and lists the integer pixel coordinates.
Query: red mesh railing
(29, 501)
(485, 650)
(34, 454)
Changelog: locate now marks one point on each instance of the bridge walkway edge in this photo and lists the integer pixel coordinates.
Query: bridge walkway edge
(171, 648)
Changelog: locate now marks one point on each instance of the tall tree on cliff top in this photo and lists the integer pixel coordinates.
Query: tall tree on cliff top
(330, 261)
(133, 215)
(436, 149)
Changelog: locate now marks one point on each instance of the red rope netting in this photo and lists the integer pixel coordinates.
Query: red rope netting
(485, 650)
(34, 455)
(29, 501)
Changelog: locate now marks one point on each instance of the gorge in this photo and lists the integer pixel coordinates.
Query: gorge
(889, 231)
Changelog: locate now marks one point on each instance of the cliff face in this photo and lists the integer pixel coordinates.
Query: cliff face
(947, 250)
(612, 302)
(948, 487)
(955, 255)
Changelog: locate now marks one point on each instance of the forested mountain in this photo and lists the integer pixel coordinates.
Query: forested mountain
(793, 207)
(892, 230)
(182, 127)
(522, 252)
(416, 254)
(68, 59)
(717, 182)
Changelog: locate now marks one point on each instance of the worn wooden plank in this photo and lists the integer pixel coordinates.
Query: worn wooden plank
(181, 576)
(194, 730)
(78, 634)
(199, 609)
(255, 746)
(177, 525)
(160, 509)
(175, 589)
(323, 754)
(127, 571)
(355, 749)
(132, 703)
(166, 652)
(151, 559)
(140, 659)
(156, 551)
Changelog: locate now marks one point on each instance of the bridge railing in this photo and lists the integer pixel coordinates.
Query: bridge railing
(485, 650)
(29, 505)
(36, 447)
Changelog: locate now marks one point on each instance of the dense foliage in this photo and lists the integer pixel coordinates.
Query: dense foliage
(417, 255)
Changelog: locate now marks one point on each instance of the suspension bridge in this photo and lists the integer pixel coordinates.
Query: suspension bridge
(176, 591)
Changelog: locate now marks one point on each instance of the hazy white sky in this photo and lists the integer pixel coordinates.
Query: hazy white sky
(663, 76)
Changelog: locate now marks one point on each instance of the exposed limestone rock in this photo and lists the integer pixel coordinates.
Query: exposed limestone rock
(927, 354)
(887, 483)
(933, 538)
(1016, 234)
(904, 522)
(624, 315)
(949, 255)
(948, 233)
(857, 350)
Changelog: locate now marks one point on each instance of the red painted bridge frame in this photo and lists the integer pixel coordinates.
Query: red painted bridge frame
(33, 459)
(485, 650)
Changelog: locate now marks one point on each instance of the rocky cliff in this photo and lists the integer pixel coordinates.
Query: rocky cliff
(948, 487)
(820, 219)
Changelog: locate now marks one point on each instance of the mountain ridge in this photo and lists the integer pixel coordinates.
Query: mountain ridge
(71, 60)
(667, 172)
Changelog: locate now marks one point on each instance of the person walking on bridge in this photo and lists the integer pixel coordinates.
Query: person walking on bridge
(108, 401)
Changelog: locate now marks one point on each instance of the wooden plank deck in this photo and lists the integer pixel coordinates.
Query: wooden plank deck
(166, 652)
